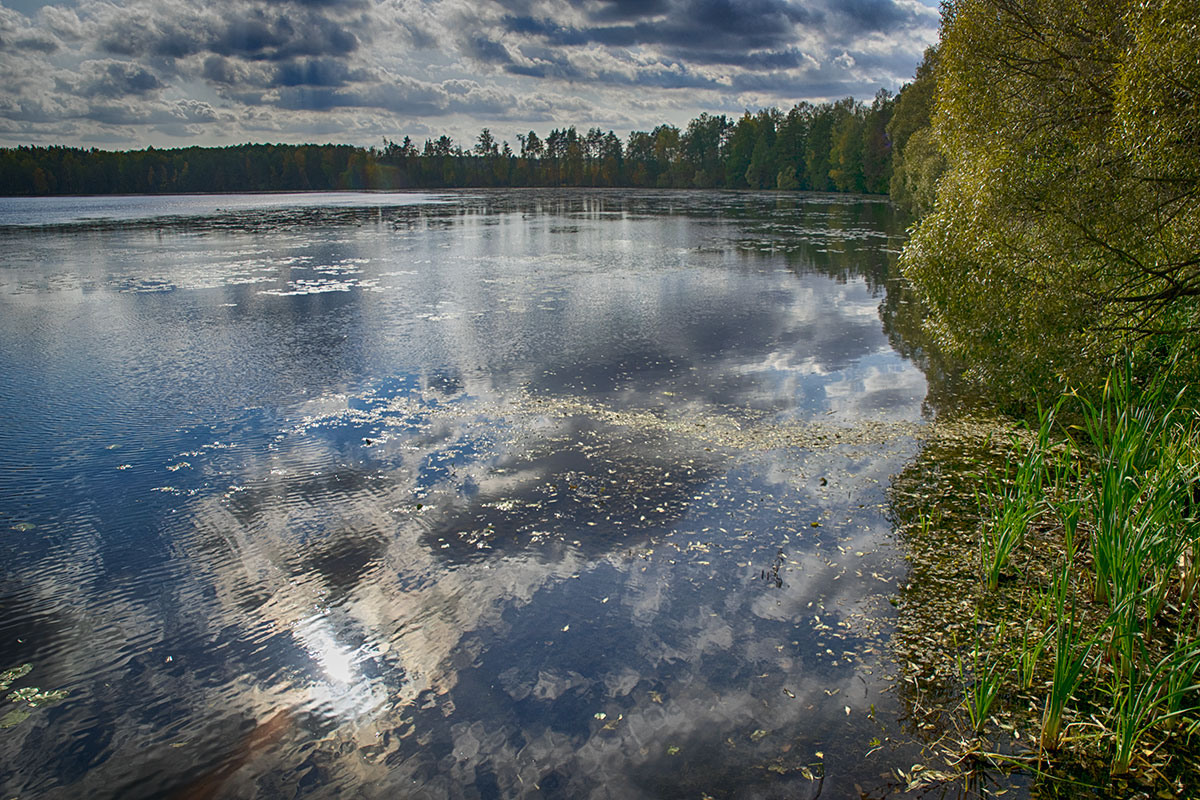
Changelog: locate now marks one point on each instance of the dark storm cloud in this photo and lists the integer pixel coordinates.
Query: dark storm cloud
(753, 24)
(254, 34)
(220, 70)
(397, 97)
(822, 83)
(37, 44)
(629, 9)
(545, 62)
(873, 15)
(338, 4)
(694, 25)
(281, 38)
(315, 72)
(481, 48)
(750, 34)
(545, 29)
(116, 79)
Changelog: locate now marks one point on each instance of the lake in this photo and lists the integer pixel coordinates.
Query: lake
(507, 494)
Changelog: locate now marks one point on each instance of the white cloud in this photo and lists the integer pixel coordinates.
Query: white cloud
(357, 71)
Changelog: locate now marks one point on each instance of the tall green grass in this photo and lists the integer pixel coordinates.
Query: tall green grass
(1125, 483)
(1011, 501)
(1071, 651)
(986, 679)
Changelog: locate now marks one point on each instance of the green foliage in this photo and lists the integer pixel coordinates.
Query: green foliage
(1071, 652)
(916, 171)
(1011, 502)
(27, 698)
(917, 160)
(764, 150)
(982, 686)
(1066, 229)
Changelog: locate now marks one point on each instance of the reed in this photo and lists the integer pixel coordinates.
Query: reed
(1145, 699)
(983, 686)
(1123, 626)
(1071, 650)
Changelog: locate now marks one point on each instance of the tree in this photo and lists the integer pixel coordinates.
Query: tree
(701, 145)
(917, 157)
(762, 172)
(740, 150)
(486, 144)
(790, 144)
(817, 149)
(1066, 229)
(876, 144)
(846, 148)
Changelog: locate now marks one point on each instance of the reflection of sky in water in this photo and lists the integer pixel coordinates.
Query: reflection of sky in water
(511, 496)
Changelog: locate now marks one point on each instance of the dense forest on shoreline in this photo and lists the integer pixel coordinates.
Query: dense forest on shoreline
(835, 147)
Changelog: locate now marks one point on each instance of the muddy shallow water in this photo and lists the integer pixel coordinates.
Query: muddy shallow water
(514, 494)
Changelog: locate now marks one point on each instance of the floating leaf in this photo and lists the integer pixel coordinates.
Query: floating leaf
(16, 673)
(14, 717)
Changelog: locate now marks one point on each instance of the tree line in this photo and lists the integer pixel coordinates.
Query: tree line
(845, 146)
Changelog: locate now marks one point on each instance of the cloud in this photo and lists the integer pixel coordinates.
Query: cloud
(39, 43)
(109, 78)
(315, 72)
(388, 67)
(480, 47)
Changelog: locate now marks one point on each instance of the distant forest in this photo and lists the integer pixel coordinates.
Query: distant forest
(846, 146)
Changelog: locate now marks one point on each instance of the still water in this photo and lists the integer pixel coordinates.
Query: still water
(480, 495)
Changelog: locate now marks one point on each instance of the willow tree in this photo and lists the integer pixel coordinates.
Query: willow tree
(1066, 229)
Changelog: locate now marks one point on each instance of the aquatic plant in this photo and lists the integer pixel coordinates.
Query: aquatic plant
(1071, 651)
(1033, 643)
(983, 686)
(1104, 607)
(1011, 501)
(27, 698)
(1138, 506)
(1145, 699)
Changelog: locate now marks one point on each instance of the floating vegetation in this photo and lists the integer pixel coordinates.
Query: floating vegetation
(28, 698)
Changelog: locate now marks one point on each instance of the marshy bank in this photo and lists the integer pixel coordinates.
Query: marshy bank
(1048, 629)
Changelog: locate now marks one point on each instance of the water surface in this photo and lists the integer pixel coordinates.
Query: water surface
(514, 494)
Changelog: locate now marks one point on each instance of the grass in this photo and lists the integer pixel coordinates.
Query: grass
(1087, 546)
(1011, 501)
(1070, 656)
(982, 687)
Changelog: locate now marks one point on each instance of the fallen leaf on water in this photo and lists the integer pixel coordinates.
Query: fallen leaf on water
(14, 717)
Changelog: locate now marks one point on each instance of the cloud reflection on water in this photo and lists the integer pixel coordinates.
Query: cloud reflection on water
(531, 480)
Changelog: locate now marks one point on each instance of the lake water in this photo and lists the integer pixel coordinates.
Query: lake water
(513, 494)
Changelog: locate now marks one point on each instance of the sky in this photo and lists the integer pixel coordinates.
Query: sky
(121, 74)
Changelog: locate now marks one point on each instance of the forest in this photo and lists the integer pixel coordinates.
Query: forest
(836, 147)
